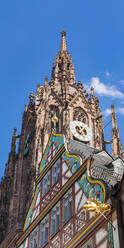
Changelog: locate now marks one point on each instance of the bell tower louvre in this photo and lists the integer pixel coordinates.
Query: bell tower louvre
(62, 105)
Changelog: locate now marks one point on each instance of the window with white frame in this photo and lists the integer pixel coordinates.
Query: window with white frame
(44, 225)
(55, 213)
(88, 245)
(55, 172)
(46, 183)
(67, 207)
(33, 239)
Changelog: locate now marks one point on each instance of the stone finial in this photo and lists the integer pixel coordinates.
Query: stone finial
(31, 98)
(13, 143)
(97, 102)
(38, 85)
(54, 63)
(116, 144)
(51, 83)
(14, 132)
(114, 122)
(63, 41)
(79, 84)
(46, 80)
(26, 107)
(92, 91)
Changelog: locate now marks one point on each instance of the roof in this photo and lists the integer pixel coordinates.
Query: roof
(106, 167)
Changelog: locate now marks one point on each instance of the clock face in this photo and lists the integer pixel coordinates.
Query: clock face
(81, 131)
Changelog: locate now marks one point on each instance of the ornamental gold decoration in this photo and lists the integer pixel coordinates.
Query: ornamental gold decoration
(96, 207)
(82, 131)
(54, 119)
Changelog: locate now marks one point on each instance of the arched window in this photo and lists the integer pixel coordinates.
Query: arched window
(68, 66)
(80, 115)
(54, 111)
(61, 65)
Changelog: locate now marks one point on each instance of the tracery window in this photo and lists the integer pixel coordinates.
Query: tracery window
(54, 111)
(55, 215)
(61, 65)
(44, 226)
(80, 115)
(67, 207)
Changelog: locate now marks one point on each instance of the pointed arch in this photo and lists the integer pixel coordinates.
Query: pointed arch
(54, 111)
(79, 114)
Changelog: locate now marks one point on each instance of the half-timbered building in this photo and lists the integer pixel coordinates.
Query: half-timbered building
(61, 166)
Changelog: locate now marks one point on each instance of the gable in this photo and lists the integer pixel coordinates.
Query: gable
(54, 98)
(55, 143)
(54, 155)
(80, 100)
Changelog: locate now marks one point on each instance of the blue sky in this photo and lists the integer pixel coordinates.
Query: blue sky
(30, 40)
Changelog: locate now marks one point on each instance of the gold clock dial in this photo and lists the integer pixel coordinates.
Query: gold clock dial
(81, 131)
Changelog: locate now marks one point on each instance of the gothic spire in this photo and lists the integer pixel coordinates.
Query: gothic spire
(63, 41)
(116, 144)
(63, 68)
(114, 122)
(14, 137)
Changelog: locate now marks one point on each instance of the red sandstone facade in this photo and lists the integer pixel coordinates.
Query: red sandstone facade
(67, 100)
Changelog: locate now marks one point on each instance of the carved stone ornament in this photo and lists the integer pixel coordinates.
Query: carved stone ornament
(106, 168)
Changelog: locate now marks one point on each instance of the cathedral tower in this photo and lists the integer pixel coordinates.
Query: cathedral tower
(63, 100)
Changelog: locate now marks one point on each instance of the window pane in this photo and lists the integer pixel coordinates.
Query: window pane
(44, 225)
(67, 206)
(33, 238)
(55, 213)
(46, 183)
(88, 245)
(56, 172)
